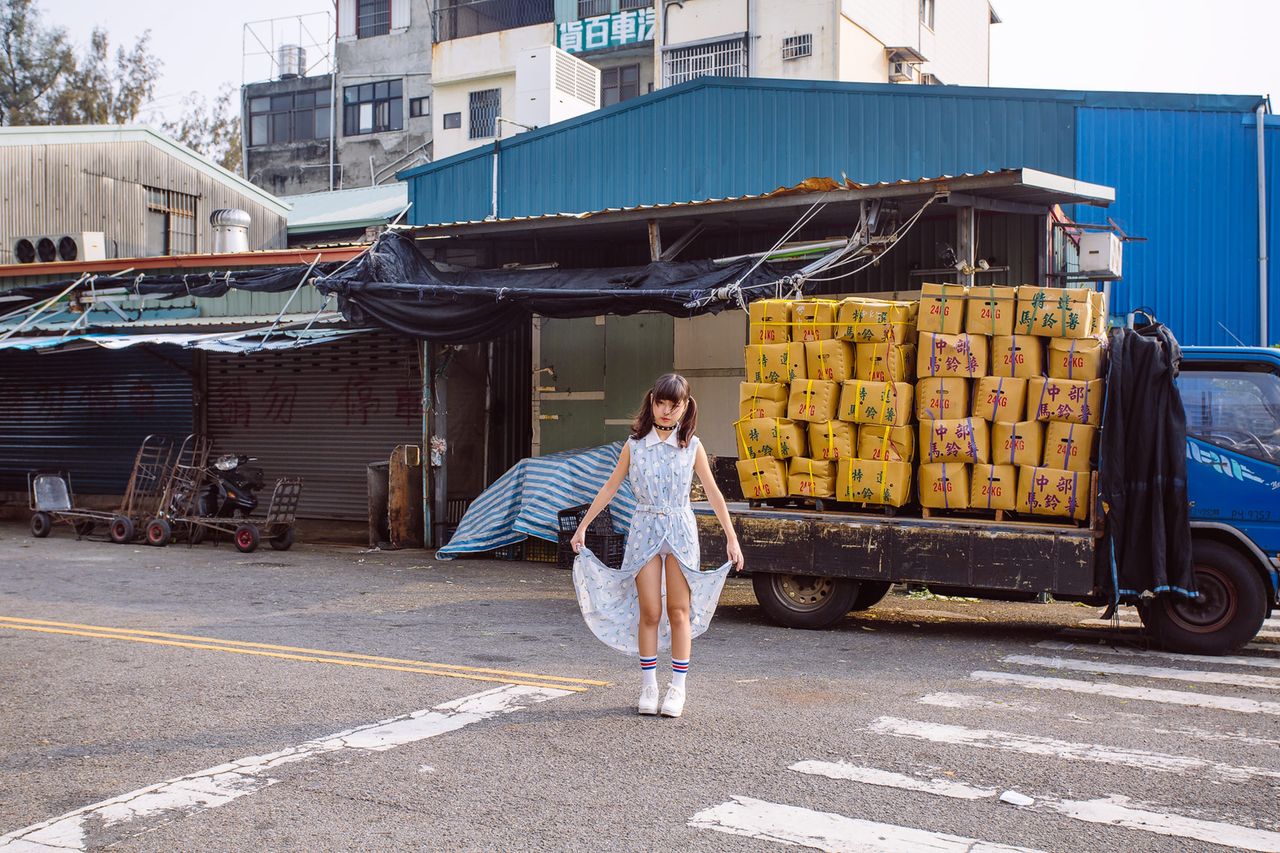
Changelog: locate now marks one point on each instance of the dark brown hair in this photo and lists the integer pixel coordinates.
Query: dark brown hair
(674, 388)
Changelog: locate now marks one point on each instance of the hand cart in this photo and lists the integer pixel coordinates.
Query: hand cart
(180, 496)
(52, 499)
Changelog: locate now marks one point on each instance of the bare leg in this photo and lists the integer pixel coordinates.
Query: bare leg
(649, 589)
(678, 596)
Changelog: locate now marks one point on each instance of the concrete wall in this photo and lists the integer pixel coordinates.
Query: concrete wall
(861, 55)
(957, 46)
(290, 168)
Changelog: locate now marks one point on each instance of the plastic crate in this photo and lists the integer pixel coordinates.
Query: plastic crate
(509, 552)
(605, 542)
(541, 551)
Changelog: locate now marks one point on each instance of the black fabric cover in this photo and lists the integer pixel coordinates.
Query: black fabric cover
(1143, 462)
(207, 285)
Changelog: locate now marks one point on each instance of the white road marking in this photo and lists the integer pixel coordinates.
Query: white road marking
(967, 701)
(1195, 676)
(1224, 660)
(832, 832)
(883, 778)
(1113, 810)
(219, 785)
(1267, 648)
(1124, 691)
(1067, 750)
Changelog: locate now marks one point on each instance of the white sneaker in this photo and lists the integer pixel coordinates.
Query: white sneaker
(673, 704)
(648, 703)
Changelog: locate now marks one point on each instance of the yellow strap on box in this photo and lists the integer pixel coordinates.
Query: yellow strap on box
(777, 437)
(831, 441)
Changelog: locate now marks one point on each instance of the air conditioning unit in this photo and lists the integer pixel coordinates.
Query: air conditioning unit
(1100, 256)
(48, 248)
(901, 72)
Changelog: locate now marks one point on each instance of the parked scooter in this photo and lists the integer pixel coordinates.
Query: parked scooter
(232, 487)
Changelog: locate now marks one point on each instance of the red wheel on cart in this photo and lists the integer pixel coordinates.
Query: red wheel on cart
(159, 532)
(121, 530)
(41, 524)
(282, 541)
(247, 538)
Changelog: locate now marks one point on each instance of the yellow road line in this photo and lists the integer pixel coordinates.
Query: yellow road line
(308, 655)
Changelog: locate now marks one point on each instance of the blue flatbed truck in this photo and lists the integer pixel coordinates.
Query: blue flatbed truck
(809, 569)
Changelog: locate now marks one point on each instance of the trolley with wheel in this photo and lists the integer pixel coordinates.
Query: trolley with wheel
(277, 528)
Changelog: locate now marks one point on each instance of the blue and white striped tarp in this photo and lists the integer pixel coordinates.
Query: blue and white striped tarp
(526, 500)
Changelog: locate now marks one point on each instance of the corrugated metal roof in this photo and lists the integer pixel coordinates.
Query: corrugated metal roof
(341, 209)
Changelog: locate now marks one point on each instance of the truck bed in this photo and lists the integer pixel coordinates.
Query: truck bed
(1006, 556)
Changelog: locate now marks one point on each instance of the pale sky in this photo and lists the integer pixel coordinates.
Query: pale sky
(1220, 47)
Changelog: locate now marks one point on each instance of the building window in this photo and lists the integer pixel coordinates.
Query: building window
(629, 5)
(456, 19)
(373, 108)
(726, 58)
(291, 117)
(485, 106)
(373, 18)
(452, 121)
(619, 84)
(171, 222)
(926, 13)
(592, 8)
(795, 47)
(419, 107)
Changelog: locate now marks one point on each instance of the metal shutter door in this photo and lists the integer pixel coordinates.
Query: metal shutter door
(87, 411)
(322, 413)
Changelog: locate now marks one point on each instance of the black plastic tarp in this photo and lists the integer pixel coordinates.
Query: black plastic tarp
(1143, 477)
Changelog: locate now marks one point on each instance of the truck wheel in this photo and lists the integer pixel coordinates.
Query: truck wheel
(159, 532)
(122, 530)
(804, 601)
(41, 524)
(870, 593)
(1231, 612)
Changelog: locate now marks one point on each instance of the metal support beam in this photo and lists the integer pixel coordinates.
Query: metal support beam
(655, 240)
(1045, 266)
(966, 241)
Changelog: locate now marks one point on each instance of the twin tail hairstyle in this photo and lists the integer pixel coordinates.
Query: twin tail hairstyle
(672, 388)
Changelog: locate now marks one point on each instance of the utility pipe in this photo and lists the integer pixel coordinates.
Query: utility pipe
(1263, 332)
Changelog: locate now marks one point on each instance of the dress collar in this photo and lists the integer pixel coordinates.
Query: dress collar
(655, 438)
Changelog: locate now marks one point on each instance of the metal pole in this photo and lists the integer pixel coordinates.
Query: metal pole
(1263, 331)
(428, 541)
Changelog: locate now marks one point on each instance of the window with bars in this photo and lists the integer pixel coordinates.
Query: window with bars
(619, 84)
(592, 8)
(629, 5)
(795, 47)
(455, 19)
(171, 222)
(373, 107)
(373, 18)
(485, 106)
(726, 58)
(290, 117)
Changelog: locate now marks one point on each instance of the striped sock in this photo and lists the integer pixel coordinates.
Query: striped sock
(679, 669)
(649, 671)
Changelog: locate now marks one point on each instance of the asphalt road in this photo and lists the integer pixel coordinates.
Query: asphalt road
(163, 699)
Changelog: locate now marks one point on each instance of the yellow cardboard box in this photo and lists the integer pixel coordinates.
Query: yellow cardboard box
(1072, 358)
(944, 486)
(1021, 356)
(813, 400)
(1050, 491)
(1069, 447)
(942, 397)
(1017, 444)
(762, 400)
(813, 319)
(770, 321)
(991, 310)
(1069, 400)
(775, 362)
(1054, 312)
(762, 478)
(876, 402)
(778, 438)
(829, 359)
(866, 321)
(811, 478)
(886, 362)
(994, 487)
(873, 482)
(942, 308)
(961, 355)
(886, 442)
(1101, 316)
(999, 398)
(962, 440)
(833, 440)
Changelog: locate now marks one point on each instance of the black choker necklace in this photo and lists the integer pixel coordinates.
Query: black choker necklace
(662, 428)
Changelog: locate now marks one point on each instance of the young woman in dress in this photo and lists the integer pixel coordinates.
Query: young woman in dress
(625, 607)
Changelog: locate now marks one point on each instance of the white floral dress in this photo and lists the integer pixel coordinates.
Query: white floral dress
(660, 474)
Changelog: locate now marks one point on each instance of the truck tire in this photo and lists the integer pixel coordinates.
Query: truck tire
(870, 593)
(804, 601)
(1230, 614)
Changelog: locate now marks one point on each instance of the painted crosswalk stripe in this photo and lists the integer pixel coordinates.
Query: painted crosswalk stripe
(1125, 691)
(1255, 661)
(1167, 673)
(135, 812)
(1113, 810)
(832, 832)
(1070, 751)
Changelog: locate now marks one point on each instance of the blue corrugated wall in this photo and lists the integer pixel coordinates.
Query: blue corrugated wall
(1184, 168)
